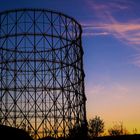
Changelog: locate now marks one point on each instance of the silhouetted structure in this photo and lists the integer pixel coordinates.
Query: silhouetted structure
(41, 72)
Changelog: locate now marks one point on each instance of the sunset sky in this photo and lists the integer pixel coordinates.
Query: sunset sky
(111, 42)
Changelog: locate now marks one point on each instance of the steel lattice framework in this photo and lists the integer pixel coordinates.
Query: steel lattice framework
(41, 72)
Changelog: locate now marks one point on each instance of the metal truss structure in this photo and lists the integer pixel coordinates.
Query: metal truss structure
(41, 72)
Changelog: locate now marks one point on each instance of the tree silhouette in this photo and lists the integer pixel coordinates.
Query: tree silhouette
(135, 131)
(117, 130)
(95, 127)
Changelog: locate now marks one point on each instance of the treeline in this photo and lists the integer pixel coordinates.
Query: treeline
(94, 130)
(96, 127)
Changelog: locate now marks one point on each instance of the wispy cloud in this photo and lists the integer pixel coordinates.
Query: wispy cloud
(95, 33)
(108, 24)
(112, 18)
(101, 8)
(119, 91)
(129, 33)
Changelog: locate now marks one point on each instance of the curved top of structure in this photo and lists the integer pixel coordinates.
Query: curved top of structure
(44, 10)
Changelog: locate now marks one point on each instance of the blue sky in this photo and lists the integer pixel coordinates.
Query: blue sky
(111, 42)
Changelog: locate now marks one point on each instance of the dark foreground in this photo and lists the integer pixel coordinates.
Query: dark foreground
(124, 137)
(8, 133)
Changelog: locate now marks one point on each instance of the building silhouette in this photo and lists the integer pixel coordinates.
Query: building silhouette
(41, 72)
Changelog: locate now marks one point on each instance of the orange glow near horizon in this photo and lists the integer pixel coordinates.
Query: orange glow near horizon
(121, 106)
